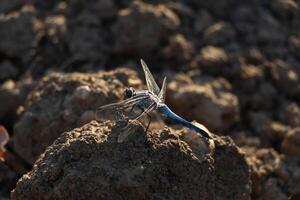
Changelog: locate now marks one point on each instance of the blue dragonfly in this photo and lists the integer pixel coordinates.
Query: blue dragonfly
(141, 103)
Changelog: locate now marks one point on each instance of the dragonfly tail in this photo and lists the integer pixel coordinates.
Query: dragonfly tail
(167, 111)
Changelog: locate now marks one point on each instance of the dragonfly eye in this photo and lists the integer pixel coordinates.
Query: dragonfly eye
(129, 92)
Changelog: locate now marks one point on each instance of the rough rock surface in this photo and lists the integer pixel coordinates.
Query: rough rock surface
(61, 102)
(143, 27)
(208, 101)
(88, 163)
(273, 176)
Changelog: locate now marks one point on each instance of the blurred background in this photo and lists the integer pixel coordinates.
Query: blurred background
(232, 65)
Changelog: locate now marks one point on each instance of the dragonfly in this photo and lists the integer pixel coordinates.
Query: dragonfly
(140, 103)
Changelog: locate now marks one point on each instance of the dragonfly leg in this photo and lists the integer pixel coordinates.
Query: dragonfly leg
(148, 115)
(150, 119)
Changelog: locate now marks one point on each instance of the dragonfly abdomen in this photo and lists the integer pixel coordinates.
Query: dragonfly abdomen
(168, 112)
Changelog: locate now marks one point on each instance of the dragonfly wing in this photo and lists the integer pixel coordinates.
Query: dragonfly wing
(130, 128)
(120, 111)
(162, 93)
(151, 84)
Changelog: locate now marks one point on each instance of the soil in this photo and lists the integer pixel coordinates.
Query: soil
(233, 66)
(90, 160)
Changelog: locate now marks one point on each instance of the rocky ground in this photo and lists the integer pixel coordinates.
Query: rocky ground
(233, 66)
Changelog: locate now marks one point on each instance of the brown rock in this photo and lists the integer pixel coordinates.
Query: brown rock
(179, 49)
(265, 97)
(88, 163)
(249, 77)
(291, 143)
(141, 27)
(285, 78)
(7, 6)
(285, 8)
(219, 34)
(7, 180)
(203, 20)
(210, 103)
(61, 102)
(295, 45)
(268, 173)
(17, 34)
(211, 59)
(10, 100)
(104, 9)
(7, 70)
(272, 131)
(289, 113)
(269, 30)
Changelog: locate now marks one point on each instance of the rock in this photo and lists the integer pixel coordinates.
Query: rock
(291, 143)
(178, 50)
(7, 180)
(7, 70)
(203, 20)
(293, 166)
(249, 77)
(289, 113)
(104, 9)
(219, 34)
(17, 34)
(245, 21)
(210, 103)
(61, 102)
(271, 131)
(273, 191)
(285, 8)
(10, 100)
(269, 30)
(211, 59)
(88, 163)
(268, 173)
(7, 6)
(285, 78)
(86, 39)
(265, 97)
(254, 56)
(220, 9)
(141, 27)
(295, 45)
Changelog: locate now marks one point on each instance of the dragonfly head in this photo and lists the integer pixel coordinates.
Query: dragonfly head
(129, 92)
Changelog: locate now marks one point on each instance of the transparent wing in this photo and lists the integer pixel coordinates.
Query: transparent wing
(129, 129)
(120, 111)
(151, 84)
(131, 126)
(162, 93)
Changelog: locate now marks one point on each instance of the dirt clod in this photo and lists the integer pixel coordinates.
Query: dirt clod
(89, 163)
(73, 98)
